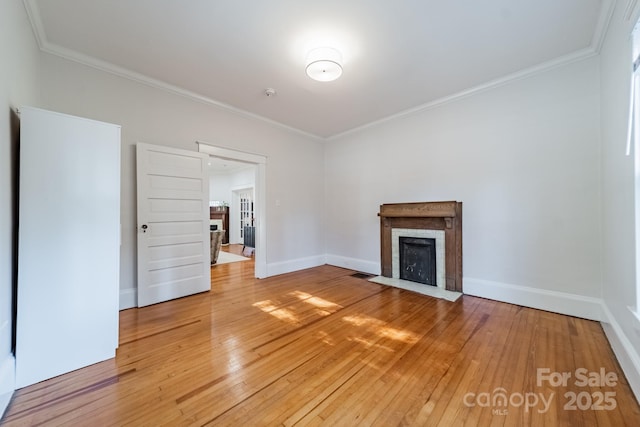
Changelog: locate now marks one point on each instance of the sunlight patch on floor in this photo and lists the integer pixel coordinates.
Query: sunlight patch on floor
(280, 313)
(369, 344)
(317, 301)
(381, 328)
(325, 338)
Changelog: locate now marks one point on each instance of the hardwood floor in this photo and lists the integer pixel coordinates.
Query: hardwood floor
(324, 347)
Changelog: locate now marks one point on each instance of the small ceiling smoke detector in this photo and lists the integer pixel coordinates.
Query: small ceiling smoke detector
(270, 92)
(324, 64)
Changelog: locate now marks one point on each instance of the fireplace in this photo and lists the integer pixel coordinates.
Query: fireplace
(437, 236)
(433, 232)
(417, 261)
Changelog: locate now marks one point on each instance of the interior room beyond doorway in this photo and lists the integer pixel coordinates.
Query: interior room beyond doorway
(231, 201)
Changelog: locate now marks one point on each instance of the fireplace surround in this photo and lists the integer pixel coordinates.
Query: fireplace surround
(434, 217)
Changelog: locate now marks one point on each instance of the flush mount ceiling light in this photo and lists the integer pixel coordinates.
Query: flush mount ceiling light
(324, 64)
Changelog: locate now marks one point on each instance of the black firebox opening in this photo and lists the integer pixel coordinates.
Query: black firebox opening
(418, 260)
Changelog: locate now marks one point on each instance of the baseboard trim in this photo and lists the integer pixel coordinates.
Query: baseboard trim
(273, 269)
(7, 381)
(554, 301)
(626, 354)
(354, 264)
(542, 299)
(128, 298)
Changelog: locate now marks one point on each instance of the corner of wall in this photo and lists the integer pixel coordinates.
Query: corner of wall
(128, 298)
(354, 264)
(627, 356)
(276, 268)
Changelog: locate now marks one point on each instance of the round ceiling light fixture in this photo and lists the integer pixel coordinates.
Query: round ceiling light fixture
(324, 64)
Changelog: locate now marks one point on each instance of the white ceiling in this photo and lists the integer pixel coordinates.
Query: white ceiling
(398, 55)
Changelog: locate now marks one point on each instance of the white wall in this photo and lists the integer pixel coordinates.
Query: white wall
(222, 184)
(18, 86)
(242, 178)
(619, 272)
(524, 160)
(219, 187)
(154, 116)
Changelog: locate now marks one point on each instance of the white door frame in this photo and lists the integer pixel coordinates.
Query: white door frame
(260, 162)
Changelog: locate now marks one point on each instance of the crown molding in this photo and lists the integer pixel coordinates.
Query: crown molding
(90, 61)
(526, 73)
(33, 12)
(602, 25)
(108, 67)
(604, 18)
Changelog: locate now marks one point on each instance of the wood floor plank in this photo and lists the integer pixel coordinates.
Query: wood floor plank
(324, 347)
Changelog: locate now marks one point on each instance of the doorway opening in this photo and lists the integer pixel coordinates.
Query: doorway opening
(251, 167)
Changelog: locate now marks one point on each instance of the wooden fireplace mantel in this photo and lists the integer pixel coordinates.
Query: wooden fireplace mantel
(445, 216)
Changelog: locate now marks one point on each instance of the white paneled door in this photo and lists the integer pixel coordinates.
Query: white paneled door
(173, 223)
